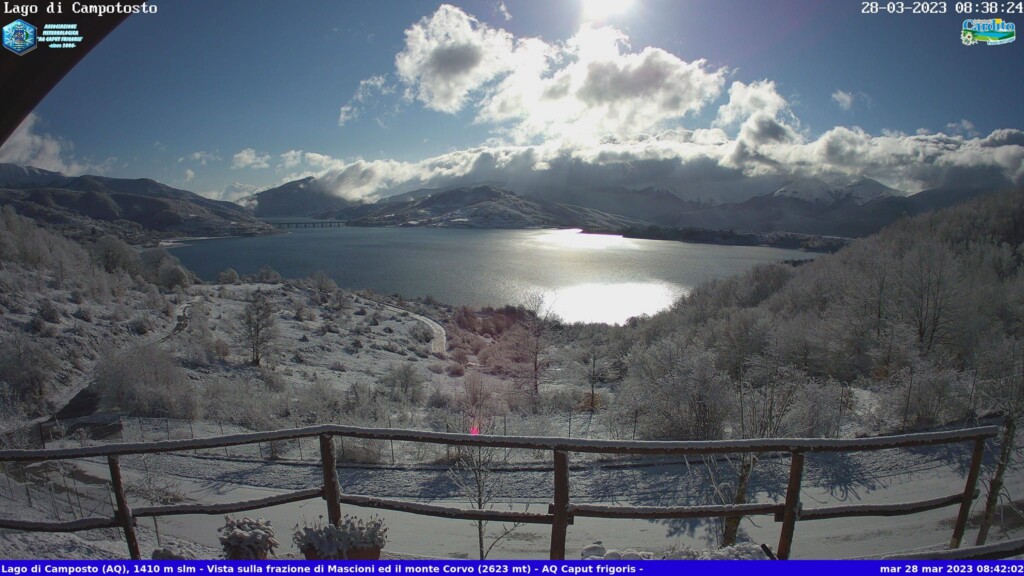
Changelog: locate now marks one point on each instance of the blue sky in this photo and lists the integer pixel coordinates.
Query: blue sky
(376, 98)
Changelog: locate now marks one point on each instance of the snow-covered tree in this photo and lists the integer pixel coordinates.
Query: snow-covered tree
(259, 327)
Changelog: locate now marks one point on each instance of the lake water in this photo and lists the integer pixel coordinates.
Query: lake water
(581, 277)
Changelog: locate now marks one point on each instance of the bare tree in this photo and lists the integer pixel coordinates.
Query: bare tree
(474, 474)
(591, 365)
(930, 288)
(403, 382)
(766, 396)
(258, 327)
(527, 343)
(1004, 390)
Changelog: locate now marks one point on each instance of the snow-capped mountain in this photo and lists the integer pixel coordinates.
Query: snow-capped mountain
(865, 190)
(812, 190)
(817, 191)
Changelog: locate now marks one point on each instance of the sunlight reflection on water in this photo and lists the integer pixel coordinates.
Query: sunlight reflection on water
(609, 303)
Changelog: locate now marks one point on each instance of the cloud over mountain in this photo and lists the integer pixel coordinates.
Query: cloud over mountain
(28, 147)
(594, 109)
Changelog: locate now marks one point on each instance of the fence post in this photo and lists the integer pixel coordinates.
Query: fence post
(792, 510)
(968, 497)
(123, 512)
(560, 508)
(332, 488)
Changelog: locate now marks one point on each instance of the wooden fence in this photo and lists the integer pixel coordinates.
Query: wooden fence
(560, 513)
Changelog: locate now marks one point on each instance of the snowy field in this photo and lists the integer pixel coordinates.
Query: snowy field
(887, 476)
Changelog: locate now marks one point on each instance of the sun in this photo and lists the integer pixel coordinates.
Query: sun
(600, 10)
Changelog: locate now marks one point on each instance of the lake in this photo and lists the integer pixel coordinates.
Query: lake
(581, 277)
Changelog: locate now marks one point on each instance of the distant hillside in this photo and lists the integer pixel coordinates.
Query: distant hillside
(482, 207)
(858, 209)
(132, 207)
(300, 198)
(648, 204)
(803, 206)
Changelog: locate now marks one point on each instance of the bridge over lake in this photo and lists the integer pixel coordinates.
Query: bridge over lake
(308, 224)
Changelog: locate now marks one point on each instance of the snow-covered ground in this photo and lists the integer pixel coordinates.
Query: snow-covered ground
(317, 344)
(886, 476)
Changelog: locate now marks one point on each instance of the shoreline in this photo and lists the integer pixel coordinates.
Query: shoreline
(785, 240)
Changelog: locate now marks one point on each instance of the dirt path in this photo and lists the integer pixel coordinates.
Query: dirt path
(182, 315)
(439, 344)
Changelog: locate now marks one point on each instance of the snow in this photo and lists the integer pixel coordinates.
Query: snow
(880, 477)
(865, 190)
(818, 191)
(807, 189)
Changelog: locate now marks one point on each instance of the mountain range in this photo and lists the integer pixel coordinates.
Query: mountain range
(481, 207)
(811, 206)
(132, 207)
(142, 206)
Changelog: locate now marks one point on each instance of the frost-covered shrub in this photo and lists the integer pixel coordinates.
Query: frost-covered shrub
(247, 539)
(49, 312)
(925, 395)
(228, 276)
(421, 333)
(273, 380)
(26, 367)
(268, 275)
(334, 542)
(39, 326)
(146, 381)
(403, 382)
(139, 325)
(676, 393)
(318, 402)
(438, 399)
(240, 403)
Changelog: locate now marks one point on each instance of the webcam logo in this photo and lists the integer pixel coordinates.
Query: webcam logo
(20, 37)
(992, 32)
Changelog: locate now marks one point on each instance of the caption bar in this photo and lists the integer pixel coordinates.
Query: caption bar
(407, 567)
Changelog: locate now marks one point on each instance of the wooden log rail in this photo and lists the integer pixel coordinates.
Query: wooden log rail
(561, 512)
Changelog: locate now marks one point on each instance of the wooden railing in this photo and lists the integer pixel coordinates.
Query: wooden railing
(560, 513)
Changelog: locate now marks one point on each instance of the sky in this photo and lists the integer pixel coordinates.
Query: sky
(702, 97)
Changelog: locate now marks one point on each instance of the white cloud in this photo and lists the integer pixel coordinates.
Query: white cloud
(347, 113)
(233, 192)
(593, 88)
(964, 126)
(700, 163)
(503, 10)
(28, 147)
(747, 100)
(450, 54)
(291, 159)
(843, 99)
(249, 158)
(366, 94)
(189, 175)
(202, 157)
